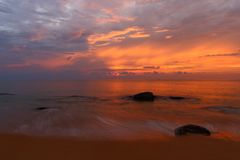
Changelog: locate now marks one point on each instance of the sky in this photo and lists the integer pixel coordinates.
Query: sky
(112, 38)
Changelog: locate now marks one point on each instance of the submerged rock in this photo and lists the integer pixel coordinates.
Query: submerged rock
(144, 96)
(41, 108)
(192, 129)
(176, 98)
(75, 96)
(149, 96)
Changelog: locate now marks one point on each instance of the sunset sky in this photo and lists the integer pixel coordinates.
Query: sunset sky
(118, 38)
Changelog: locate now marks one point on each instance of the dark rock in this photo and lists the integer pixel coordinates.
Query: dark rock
(145, 96)
(192, 129)
(176, 98)
(41, 108)
(75, 96)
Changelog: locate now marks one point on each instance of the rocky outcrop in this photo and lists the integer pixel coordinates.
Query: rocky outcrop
(192, 129)
(41, 108)
(144, 96)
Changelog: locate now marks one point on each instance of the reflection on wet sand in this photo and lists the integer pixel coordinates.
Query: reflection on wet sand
(104, 109)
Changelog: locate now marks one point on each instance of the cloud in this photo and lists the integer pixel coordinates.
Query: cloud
(4, 8)
(151, 67)
(139, 35)
(117, 36)
(223, 55)
(109, 16)
(127, 34)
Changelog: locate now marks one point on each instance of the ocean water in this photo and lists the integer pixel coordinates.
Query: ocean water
(98, 109)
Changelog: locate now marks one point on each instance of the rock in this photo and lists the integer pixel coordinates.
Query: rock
(41, 108)
(176, 98)
(75, 96)
(192, 129)
(145, 96)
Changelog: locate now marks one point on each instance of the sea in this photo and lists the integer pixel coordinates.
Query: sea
(102, 110)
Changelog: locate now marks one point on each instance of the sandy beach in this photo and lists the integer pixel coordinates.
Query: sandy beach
(119, 80)
(18, 147)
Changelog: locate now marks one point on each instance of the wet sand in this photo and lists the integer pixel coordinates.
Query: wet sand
(17, 147)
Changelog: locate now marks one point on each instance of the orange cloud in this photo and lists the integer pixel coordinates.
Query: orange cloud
(117, 36)
(169, 37)
(133, 59)
(125, 58)
(139, 35)
(160, 30)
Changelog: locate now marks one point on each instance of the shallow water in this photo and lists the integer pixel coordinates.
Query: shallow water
(97, 109)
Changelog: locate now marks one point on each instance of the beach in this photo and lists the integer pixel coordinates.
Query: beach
(119, 80)
(84, 120)
(19, 147)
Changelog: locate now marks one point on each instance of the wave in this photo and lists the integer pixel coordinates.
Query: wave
(224, 109)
